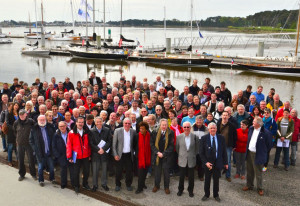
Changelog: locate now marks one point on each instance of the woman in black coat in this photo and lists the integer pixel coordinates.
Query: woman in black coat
(10, 117)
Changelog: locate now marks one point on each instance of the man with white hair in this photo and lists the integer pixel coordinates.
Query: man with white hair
(158, 83)
(214, 158)
(240, 115)
(218, 113)
(162, 147)
(258, 145)
(40, 140)
(187, 147)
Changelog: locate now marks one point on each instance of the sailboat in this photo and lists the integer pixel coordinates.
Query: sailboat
(173, 59)
(273, 69)
(95, 53)
(33, 49)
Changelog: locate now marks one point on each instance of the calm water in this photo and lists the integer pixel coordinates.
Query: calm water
(13, 64)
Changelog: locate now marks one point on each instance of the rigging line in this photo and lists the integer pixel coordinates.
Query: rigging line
(296, 2)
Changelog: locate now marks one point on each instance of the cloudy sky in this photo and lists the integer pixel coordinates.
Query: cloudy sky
(141, 9)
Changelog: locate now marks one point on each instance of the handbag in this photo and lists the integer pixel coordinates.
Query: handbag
(4, 128)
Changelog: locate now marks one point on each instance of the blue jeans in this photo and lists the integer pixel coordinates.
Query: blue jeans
(41, 166)
(286, 151)
(229, 152)
(3, 136)
(10, 148)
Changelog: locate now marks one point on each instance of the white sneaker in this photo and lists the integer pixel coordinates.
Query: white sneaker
(148, 175)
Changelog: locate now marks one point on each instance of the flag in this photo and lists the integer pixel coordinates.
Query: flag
(200, 34)
(83, 4)
(232, 61)
(82, 42)
(120, 42)
(34, 25)
(83, 15)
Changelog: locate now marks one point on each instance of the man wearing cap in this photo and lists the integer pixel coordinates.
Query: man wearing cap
(22, 127)
(15, 92)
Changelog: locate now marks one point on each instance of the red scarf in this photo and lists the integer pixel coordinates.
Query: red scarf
(144, 156)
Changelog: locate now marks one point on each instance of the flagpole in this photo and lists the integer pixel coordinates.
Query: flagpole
(191, 29)
(86, 20)
(103, 20)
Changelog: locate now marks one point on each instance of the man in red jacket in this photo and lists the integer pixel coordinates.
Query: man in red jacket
(79, 152)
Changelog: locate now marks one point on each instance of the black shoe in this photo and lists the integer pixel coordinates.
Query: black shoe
(63, 186)
(87, 187)
(5, 150)
(204, 198)
(53, 182)
(129, 188)
(145, 187)
(118, 188)
(191, 194)
(94, 188)
(218, 199)
(179, 193)
(293, 164)
(105, 187)
(21, 178)
(76, 190)
(138, 191)
(42, 184)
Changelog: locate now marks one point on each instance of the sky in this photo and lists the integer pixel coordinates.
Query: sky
(19, 10)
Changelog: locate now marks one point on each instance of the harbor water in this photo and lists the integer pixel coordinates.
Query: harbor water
(27, 68)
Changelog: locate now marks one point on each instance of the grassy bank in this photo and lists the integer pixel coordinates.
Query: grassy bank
(255, 30)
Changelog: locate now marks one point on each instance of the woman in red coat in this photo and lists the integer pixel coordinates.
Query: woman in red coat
(240, 150)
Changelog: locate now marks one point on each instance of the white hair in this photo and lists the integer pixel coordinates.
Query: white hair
(212, 124)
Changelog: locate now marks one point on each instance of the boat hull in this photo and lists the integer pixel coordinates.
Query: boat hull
(189, 62)
(274, 70)
(91, 55)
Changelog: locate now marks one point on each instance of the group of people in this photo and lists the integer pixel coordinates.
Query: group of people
(145, 129)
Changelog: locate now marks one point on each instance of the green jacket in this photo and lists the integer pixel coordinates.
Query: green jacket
(290, 130)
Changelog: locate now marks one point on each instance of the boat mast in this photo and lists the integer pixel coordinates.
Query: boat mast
(86, 20)
(42, 27)
(29, 23)
(191, 28)
(36, 21)
(93, 16)
(73, 22)
(121, 18)
(165, 23)
(297, 43)
(104, 20)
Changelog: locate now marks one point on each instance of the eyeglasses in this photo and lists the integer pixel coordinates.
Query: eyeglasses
(267, 112)
(186, 127)
(158, 110)
(127, 123)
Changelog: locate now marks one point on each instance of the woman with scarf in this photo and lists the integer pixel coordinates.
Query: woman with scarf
(143, 153)
(271, 125)
(177, 129)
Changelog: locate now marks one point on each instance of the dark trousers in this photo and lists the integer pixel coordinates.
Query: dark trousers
(95, 168)
(158, 170)
(142, 173)
(64, 173)
(46, 161)
(21, 156)
(285, 155)
(174, 167)
(216, 174)
(124, 163)
(182, 172)
(200, 168)
(85, 164)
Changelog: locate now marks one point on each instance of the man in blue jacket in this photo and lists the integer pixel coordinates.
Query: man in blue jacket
(258, 145)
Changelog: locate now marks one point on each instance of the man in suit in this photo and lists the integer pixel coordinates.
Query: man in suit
(95, 80)
(187, 147)
(99, 152)
(258, 145)
(214, 157)
(162, 147)
(122, 148)
(59, 143)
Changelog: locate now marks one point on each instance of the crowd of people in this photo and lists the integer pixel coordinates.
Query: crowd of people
(145, 129)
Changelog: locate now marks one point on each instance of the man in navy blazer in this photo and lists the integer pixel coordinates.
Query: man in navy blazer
(214, 157)
(59, 142)
(258, 145)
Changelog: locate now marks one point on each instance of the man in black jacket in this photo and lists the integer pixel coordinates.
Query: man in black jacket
(228, 131)
(100, 142)
(95, 80)
(214, 158)
(40, 140)
(59, 143)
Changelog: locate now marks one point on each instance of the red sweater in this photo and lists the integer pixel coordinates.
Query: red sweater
(241, 142)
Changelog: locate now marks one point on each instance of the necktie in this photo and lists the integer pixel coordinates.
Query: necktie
(214, 147)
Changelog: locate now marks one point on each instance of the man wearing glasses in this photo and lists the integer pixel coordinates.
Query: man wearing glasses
(59, 143)
(187, 147)
(122, 148)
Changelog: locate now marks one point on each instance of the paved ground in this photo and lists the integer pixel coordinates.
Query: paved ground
(28, 192)
(281, 188)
